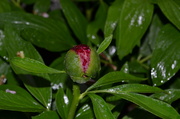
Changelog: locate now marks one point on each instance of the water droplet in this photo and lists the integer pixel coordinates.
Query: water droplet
(112, 50)
(66, 100)
(153, 73)
(174, 64)
(162, 81)
(169, 92)
(56, 86)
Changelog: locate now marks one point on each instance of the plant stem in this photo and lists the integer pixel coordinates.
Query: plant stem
(75, 101)
(145, 59)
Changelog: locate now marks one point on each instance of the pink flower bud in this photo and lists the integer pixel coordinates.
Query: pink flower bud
(82, 63)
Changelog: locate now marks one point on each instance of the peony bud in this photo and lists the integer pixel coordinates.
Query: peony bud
(82, 63)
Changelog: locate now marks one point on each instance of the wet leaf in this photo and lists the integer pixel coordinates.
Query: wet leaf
(47, 115)
(138, 88)
(134, 20)
(149, 43)
(17, 99)
(43, 32)
(75, 18)
(63, 103)
(171, 9)
(165, 60)
(156, 107)
(38, 86)
(100, 107)
(84, 112)
(113, 17)
(31, 65)
(114, 77)
(169, 96)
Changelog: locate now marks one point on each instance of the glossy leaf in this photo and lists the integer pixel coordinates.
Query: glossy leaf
(138, 88)
(17, 99)
(75, 18)
(113, 17)
(63, 103)
(43, 32)
(171, 10)
(3, 52)
(38, 87)
(100, 107)
(165, 60)
(149, 43)
(47, 115)
(31, 65)
(97, 24)
(154, 29)
(159, 108)
(134, 20)
(4, 6)
(114, 77)
(106, 42)
(84, 112)
(169, 96)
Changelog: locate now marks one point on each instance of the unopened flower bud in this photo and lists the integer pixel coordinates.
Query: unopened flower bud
(82, 63)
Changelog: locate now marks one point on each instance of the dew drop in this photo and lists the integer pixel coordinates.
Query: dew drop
(169, 92)
(154, 84)
(162, 81)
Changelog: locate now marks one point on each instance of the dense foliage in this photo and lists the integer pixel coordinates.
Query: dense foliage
(138, 44)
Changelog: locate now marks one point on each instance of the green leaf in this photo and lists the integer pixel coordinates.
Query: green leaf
(136, 88)
(100, 107)
(134, 20)
(149, 43)
(76, 20)
(106, 42)
(56, 83)
(114, 77)
(169, 96)
(154, 29)
(46, 115)
(4, 6)
(113, 17)
(6, 72)
(38, 87)
(62, 103)
(41, 6)
(43, 32)
(17, 99)
(31, 65)
(97, 24)
(171, 10)
(157, 107)
(3, 52)
(165, 60)
(84, 112)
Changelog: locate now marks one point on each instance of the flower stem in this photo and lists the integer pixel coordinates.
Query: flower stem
(75, 101)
